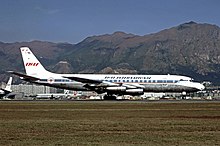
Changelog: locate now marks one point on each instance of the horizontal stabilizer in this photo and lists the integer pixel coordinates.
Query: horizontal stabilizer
(24, 76)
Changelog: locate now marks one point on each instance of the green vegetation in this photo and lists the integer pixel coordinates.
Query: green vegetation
(109, 123)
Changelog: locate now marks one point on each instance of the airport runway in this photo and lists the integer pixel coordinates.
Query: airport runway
(86, 122)
(118, 101)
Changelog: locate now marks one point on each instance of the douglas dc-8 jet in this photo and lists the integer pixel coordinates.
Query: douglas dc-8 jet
(111, 84)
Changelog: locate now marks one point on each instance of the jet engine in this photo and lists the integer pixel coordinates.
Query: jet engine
(123, 90)
(134, 91)
(116, 88)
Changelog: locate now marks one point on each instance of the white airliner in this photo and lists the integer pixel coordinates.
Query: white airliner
(7, 90)
(104, 83)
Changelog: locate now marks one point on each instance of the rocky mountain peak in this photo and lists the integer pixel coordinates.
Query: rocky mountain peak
(63, 67)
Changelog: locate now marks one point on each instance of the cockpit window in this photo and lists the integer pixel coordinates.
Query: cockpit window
(186, 80)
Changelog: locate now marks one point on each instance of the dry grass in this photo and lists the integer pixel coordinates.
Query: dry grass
(109, 123)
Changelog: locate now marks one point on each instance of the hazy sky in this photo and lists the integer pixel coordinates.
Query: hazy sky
(74, 20)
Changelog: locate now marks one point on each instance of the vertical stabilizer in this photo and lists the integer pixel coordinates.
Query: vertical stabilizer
(32, 65)
(8, 86)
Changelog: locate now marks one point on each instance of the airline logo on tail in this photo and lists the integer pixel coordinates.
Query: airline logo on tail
(31, 64)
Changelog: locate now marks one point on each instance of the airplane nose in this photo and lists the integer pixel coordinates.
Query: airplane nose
(201, 87)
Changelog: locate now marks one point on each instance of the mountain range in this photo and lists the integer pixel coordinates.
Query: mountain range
(190, 49)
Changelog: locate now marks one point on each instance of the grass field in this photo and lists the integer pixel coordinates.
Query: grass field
(109, 123)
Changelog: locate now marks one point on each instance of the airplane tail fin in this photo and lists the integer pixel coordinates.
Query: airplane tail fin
(8, 86)
(32, 65)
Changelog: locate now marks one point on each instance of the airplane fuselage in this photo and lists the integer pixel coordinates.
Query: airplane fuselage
(134, 83)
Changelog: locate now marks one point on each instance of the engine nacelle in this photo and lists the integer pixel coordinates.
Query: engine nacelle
(135, 91)
(116, 88)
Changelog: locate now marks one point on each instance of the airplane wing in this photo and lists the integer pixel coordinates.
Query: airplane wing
(84, 80)
(100, 83)
(93, 83)
(133, 86)
(24, 76)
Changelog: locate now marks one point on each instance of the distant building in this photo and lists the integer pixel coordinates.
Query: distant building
(32, 90)
(28, 90)
(2, 85)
